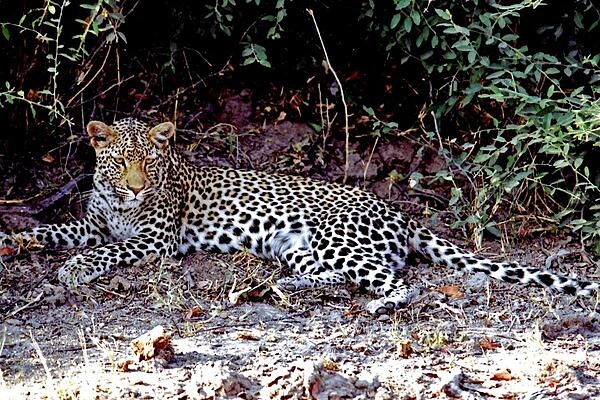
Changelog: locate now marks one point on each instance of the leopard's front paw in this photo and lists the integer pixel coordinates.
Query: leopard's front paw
(79, 270)
(288, 284)
(398, 300)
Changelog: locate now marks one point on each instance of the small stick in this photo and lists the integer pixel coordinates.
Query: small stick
(339, 83)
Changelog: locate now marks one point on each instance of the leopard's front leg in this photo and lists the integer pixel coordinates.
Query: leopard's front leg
(86, 267)
(89, 231)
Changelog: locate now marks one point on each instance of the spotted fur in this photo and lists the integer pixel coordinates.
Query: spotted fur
(149, 200)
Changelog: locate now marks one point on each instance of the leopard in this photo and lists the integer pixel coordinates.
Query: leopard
(150, 200)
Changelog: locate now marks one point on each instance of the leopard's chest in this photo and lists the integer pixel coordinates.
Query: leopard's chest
(123, 226)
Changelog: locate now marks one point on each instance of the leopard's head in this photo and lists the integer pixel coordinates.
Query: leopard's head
(131, 159)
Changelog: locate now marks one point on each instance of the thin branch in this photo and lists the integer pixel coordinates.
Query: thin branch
(89, 82)
(339, 83)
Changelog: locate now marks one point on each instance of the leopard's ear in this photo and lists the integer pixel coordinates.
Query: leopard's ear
(101, 135)
(161, 133)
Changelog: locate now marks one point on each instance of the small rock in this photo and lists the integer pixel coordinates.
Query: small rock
(154, 344)
(217, 380)
(476, 282)
(383, 318)
(307, 379)
(119, 284)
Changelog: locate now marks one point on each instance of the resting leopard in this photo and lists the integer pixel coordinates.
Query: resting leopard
(149, 200)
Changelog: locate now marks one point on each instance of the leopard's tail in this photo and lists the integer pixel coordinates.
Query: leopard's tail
(445, 253)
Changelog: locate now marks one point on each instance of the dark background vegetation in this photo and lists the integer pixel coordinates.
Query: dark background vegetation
(505, 92)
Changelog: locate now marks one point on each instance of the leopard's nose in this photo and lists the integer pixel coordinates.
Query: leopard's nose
(135, 190)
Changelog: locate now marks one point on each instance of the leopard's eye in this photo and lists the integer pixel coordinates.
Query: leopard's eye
(150, 160)
(121, 161)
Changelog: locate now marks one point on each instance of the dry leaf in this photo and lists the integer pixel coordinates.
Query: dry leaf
(124, 365)
(7, 251)
(32, 95)
(354, 309)
(49, 158)
(353, 76)
(406, 349)
(330, 365)
(488, 344)
(503, 376)
(451, 291)
(248, 335)
(194, 312)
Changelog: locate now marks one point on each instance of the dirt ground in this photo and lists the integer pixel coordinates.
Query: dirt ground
(233, 337)
(230, 335)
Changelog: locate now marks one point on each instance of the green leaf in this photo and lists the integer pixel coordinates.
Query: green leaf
(443, 14)
(416, 17)
(491, 228)
(426, 55)
(456, 195)
(471, 57)
(578, 20)
(89, 6)
(117, 16)
(579, 221)
(68, 56)
(481, 158)
(561, 163)
(122, 36)
(422, 37)
(407, 25)
(280, 15)
(400, 4)
(568, 71)
(510, 37)
(449, 55)
(485, 19)
(395, 21)
(463, 45)
(247, 51)
(5, 32)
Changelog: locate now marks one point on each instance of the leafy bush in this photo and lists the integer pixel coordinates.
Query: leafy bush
(60, 31)
(529, 102)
